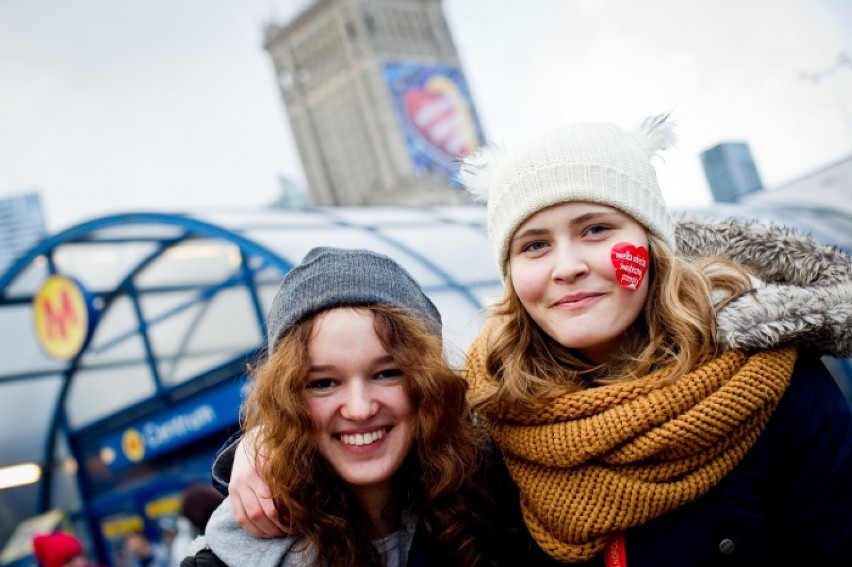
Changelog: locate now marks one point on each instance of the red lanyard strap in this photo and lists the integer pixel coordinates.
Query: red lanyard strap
(615, 553)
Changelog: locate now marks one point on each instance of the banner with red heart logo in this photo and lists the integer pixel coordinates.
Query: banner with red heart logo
(436, 115)
(441, 117)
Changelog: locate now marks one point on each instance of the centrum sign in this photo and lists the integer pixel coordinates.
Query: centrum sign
(154, 436)
(64, 317)
(157, 435)
(211, 411)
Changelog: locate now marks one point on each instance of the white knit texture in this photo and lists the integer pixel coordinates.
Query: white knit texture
(593, 162)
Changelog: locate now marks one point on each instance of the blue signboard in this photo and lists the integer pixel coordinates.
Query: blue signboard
(193, 419)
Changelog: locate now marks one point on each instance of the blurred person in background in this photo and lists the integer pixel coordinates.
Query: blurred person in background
(170, 536)
(59, 550)
(198, 501)
(141, 552)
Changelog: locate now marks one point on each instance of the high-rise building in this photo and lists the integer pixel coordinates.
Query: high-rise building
(730, 171)
(378, 104)
(21, 226)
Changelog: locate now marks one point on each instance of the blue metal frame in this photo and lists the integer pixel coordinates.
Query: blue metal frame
(191, 225)
(191, 228)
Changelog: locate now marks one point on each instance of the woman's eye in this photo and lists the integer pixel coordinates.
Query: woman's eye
(597, 230)
(533, 246)
(321, 384)
(389, 374)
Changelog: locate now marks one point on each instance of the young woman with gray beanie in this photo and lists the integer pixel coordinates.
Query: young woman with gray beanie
(368, 442)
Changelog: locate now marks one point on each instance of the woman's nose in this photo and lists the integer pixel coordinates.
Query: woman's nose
(358, 404)
(569, 264)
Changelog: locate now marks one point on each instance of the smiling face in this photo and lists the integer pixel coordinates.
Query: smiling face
(562, 266)
(363, 416)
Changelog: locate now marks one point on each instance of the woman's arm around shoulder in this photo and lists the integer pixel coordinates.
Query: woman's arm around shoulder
(235, 474)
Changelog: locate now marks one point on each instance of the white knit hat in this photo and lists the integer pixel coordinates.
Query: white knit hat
(593, 162)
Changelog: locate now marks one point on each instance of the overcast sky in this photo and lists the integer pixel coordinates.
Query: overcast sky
(127, 105)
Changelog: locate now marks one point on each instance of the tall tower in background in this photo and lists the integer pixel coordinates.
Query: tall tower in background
(377, 101)
(730, 171)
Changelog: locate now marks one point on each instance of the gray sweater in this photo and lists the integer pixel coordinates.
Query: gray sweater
(236, 548)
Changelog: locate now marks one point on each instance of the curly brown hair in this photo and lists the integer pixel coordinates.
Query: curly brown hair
(438, 480)
(676, 328)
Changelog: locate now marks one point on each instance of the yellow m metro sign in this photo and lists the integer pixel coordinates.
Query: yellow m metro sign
(63, 317)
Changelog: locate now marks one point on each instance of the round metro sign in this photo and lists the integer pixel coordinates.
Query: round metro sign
(63, 317)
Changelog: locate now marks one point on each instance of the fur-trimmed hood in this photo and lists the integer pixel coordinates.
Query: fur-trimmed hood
(806, 297)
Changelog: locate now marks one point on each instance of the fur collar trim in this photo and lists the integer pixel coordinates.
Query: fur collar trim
(806, 298)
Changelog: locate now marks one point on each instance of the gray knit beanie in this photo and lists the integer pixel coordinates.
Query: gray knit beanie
(337, 277)
(592, 162)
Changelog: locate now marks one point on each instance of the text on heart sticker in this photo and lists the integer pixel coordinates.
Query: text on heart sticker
(630, 263)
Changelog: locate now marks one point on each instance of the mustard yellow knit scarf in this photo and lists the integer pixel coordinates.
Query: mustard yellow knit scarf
(593, 463)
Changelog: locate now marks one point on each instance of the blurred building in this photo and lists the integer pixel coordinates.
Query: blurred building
(730, 171)
(818, 202)
(378, 104)
(21, 225)
(292, 196)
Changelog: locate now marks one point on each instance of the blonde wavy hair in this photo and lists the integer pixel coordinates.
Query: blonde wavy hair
(437, 480)
(676, 328)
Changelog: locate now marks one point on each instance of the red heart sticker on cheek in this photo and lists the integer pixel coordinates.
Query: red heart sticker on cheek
(630, 263)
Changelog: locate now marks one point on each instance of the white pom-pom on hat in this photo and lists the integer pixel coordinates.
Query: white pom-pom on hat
(477, 169)
(655, 134)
